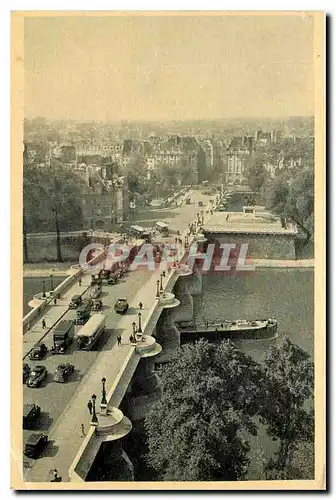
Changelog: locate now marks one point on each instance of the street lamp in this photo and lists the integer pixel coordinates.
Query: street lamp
(51, 283)
(139, 327)
(157, 289)
(94, 419)
(161, 285)
(103, 401)
(43, 290)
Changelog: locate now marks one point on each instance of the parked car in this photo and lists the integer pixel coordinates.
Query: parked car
(121, 306)
(31, 413)
(63, 372)
(35, 444)
(97, 305)
(26, 371)
(95, 292)
(75, 302)
(38, 351)
(37, 375)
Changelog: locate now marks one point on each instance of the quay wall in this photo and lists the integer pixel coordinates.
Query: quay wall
(260, 246)
(44, 249)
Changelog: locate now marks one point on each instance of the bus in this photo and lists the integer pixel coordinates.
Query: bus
(140, 232)
(162, 228)
(90, 333)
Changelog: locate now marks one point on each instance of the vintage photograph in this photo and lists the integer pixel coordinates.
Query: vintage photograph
(168, 255)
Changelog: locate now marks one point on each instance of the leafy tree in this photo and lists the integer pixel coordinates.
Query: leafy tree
(51, 201)
(294, 199)
(285, 412)
(255, 173)
(210, 393)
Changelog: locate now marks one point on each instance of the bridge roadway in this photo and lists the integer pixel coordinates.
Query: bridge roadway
(64, 405)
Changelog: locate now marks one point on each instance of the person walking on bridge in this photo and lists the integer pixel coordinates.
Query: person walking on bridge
(44, 324)
(140, 306)
(119, 339)
(89, 405)
(82, 429)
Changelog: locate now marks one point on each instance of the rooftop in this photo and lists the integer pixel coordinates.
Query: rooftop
(238, 222)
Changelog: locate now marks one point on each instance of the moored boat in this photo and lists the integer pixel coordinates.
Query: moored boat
(234, 330)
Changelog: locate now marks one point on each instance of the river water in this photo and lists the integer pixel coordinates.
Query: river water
(286, 294)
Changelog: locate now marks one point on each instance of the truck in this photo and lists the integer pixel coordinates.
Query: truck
(83, 312)
(63, 336)
(88, 336)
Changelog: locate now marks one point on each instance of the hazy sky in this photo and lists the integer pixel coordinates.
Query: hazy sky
(164, 68)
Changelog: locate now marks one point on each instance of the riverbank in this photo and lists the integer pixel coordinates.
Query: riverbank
(284, 263)
(42, 270)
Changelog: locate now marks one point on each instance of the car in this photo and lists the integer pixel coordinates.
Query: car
(75, 302)
(38, 351)
(26, 371)
(121, 306)
(95, 292)
(97, 305)
(31, 413)
(35, 444)
(63, 372)
(37, 375)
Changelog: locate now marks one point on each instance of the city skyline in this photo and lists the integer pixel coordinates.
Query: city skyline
(164, 68)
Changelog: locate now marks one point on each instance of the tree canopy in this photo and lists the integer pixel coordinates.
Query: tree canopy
(209, 395)
(213, 395)
(293, 199)
(47, 191)
(289, 419)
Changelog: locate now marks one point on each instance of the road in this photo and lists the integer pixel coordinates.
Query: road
(54, 398)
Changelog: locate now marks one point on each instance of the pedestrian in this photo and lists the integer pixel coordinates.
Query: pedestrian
(82, 427)
(80, 281)
(140, 305)
(44, 324)
(55, 301)
(119, 339)
(131, 339)
(227, 217)
(89, 405)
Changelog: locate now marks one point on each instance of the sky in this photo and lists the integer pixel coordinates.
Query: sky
(168, 67)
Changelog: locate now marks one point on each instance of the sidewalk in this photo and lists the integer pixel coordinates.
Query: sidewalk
(52, 314)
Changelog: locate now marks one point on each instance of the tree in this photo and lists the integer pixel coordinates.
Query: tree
(256, 173)
(51, 200)
(210, 393)
(294, 199)
(288, 418)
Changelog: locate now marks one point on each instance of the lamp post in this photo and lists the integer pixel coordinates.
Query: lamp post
(157, 289)
(94, 419)
(104, 400)
(51, 283)
(43, 290)
(139, 327)
(161, 285)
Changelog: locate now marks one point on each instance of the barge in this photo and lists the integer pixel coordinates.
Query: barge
(241, 329)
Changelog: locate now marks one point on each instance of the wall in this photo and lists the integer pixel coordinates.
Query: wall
(44, 249)
(260, 246)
